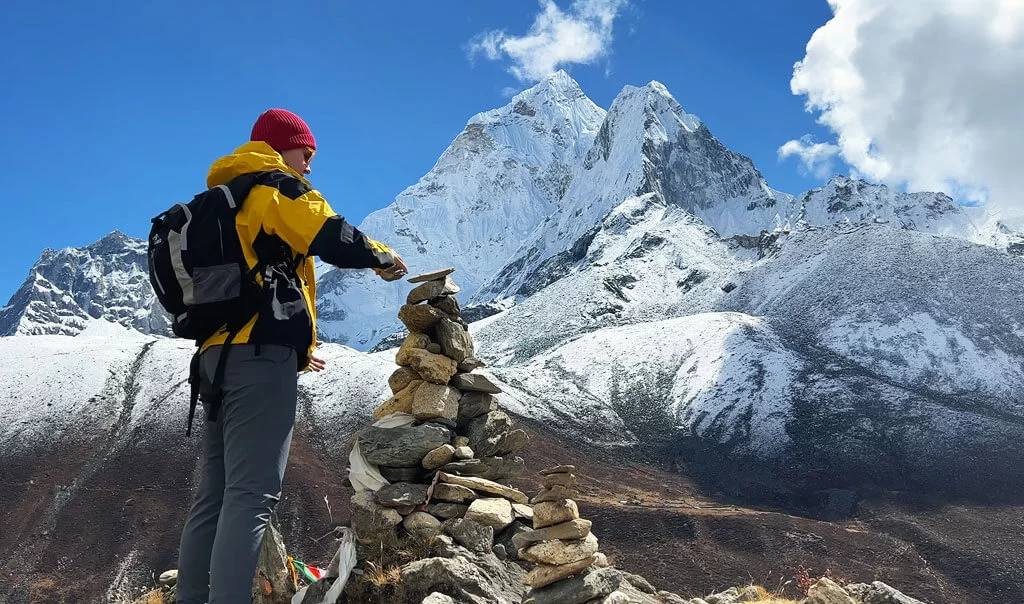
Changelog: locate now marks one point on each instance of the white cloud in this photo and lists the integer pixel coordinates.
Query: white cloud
(509, 92)
(926, 93)
(583, 34)
(815, 158)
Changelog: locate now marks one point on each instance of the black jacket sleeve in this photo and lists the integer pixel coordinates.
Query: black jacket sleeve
(341, 244)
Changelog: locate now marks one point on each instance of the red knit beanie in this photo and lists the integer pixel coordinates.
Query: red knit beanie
(282, 130)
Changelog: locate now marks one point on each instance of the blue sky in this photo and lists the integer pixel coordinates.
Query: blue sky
(113, 115)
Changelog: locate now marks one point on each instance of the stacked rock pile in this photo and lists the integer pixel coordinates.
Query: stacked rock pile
(563, 547)
(449, 462)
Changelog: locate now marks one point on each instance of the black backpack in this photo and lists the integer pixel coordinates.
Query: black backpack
(200, 274)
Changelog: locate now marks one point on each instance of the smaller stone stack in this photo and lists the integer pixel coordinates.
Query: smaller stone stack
(570, 569)
(461, 446)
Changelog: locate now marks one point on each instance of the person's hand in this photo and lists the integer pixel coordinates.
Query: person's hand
(396, 272)
(315, 362)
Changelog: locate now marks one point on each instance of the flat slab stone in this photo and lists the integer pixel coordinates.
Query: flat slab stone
(401, 474)
(467, 467)
(582, 588)
(544, 574)
(474, 382)
(487, 486)
(401, 447)
(559, 552)
(523, 511)
(453, 493)
(401, 494)
(565, 480)
(431, 276)
(574, 529)
(558, 470)
(501, 468)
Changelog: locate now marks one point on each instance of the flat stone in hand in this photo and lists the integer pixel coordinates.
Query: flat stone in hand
(431, 276)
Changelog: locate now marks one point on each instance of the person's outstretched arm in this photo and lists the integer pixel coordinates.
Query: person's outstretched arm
(300, 216)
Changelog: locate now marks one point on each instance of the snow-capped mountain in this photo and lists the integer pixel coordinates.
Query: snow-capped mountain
(647, 144)
(502, 175)
(68, 289)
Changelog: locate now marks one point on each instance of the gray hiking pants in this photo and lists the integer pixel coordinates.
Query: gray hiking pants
(244, 456)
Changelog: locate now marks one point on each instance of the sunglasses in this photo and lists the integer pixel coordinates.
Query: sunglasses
(308, 153)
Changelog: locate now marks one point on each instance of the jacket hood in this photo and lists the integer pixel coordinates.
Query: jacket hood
(255, 156)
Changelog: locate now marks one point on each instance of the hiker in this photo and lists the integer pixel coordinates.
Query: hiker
(281, 224)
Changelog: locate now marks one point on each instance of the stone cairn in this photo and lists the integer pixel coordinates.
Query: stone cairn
(449, 470)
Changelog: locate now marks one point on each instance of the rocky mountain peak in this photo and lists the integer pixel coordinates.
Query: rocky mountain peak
(845, 200)
(68, 288)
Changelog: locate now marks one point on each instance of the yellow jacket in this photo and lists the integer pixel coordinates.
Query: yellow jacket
(285, 220)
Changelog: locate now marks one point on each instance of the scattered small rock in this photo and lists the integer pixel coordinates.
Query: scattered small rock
(469, 534)
(401, 494)
(402, 377)
(438, 457)
(446, 510)
(422, 523)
